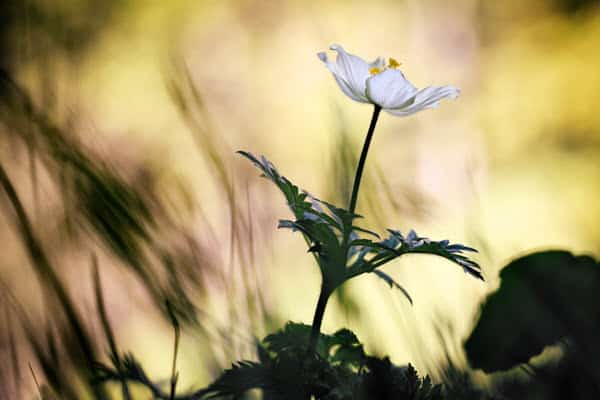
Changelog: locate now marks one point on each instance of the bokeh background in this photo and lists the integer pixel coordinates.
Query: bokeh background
(151, 99)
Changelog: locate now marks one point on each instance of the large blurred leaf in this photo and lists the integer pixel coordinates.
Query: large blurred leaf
(543, 297)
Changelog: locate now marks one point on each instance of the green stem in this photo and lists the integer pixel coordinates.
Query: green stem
(363, 159)
(318, 318)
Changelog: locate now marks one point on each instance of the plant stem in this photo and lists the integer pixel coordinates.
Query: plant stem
(325, 289)
(363, 158)
(318, 318)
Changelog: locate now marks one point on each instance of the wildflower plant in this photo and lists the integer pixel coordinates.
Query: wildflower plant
(342, 249)
(298, 362)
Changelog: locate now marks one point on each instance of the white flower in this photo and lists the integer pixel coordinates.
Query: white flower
(382, 85)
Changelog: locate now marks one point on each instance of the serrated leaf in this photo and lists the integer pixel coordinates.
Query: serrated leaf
(376, 254)
(359, 229)
(241, 377)
(292, 335)
(323, 225)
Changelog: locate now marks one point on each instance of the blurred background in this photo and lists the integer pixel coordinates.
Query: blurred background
(118, 127)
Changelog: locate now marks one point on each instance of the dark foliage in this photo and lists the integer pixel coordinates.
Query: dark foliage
(340, 370)
(544, 297)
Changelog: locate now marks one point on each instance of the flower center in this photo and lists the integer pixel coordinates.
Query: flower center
(392, 63)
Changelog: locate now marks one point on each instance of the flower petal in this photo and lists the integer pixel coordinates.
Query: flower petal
(340, 78)
(427, 98)
(390, 89)
(354, 69)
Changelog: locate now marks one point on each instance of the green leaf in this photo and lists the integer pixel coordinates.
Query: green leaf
(372, 255)
(291, 336)
(344, 348)
(296, 199)
(359, 229)
(323, 225)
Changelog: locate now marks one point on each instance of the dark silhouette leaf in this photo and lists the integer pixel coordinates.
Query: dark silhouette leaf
(543, 297)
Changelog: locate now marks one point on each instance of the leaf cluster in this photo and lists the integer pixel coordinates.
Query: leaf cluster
(340, 250)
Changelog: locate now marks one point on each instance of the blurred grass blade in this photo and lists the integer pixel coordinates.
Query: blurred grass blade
(49, 278)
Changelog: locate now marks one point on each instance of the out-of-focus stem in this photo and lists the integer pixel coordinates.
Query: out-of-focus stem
(177, 329)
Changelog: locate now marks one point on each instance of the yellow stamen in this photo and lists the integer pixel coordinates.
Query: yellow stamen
(374, 71)
(393, 63)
